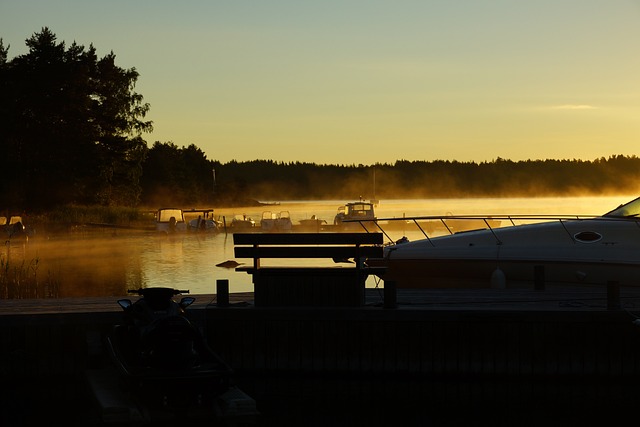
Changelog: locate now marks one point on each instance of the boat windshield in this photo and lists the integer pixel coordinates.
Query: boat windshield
(360, 210)
(631, 209)
(165, 215)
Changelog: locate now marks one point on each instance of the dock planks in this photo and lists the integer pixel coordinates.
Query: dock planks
(444, 332)
(559, 300)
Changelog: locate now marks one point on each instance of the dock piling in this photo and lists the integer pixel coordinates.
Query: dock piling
(390, 294)
(538, 277)
(613, 295)
(222, 292)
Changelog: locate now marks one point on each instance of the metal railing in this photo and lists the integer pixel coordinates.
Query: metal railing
(489, 222)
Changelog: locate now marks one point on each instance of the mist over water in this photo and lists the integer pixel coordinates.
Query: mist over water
(107, 262)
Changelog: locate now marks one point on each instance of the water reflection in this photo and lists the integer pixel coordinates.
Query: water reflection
(188, 261)
(100, 263)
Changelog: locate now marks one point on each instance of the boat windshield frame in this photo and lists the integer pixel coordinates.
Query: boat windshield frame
(165, 214)
(360, 210)
(627, 210)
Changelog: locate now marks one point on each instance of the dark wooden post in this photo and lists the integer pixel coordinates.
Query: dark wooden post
(389, 294)
(222, 292)
(613, 295)
(538, 277)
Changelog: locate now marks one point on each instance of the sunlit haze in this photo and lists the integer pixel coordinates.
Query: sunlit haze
(362, 82)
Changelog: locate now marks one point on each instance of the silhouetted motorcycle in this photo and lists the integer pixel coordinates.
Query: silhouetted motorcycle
(161, 355)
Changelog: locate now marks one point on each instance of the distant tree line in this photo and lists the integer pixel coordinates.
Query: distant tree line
(267, 180)
(71, 127)
(185, 177)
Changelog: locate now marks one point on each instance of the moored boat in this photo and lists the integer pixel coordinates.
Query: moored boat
(355, 215)
(170, 220)
(242, 222)
(312, 224)
(203, 221)
(175, 220)
(280, 221)
(575, 249)
(14, 227)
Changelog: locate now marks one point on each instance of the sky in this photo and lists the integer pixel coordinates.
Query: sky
(354, 82)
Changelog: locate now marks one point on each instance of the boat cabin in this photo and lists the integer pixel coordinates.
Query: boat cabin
(361, 211)
(170, 220)
(276, 222)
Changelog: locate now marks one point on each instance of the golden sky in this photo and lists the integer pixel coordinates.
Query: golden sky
(368, 81)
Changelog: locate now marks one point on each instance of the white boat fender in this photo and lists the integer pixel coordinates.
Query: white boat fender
(498, 279)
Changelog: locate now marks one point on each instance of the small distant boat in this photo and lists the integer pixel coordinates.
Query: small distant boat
(14, 227)
(355, 215)
(204, 222)
(312, 224)
(242, 222)
(170, 220)
(276, 222)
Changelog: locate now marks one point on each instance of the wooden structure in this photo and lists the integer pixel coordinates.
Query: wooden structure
(510, 333)
(336, 285)
(497, 333)
(493, 352)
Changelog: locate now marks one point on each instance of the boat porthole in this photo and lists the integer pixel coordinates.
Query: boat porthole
(588, 236)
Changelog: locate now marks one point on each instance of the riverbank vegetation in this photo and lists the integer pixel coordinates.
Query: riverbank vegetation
(71, 134)
(21, 279)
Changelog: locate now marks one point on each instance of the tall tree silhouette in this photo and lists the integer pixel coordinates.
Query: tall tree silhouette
(71, 127)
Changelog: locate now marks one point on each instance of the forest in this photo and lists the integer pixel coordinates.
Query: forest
(72, 132)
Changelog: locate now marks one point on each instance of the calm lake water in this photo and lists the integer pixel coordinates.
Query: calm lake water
(107, 262)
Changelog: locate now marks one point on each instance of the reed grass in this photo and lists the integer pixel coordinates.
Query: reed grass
(20, 280)
(119, 215)
(21, 277)
(66, 218)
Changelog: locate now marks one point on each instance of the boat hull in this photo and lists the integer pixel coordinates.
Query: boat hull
(569, 252)
(458, 273)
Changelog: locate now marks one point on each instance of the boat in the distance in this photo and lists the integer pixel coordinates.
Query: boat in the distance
(170, 220)
(355, 216)
(312, 224)
(174, 220)
(242, 222)
(562, 249)
(14, 227)
(201, 220)
(280, 221)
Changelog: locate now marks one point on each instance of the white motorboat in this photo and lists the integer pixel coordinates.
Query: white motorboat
(280, 221)
(173, 220)
(312, 224)
(170, 220)
(242, 222)
(355, 215)
(14, 227)
(201, 220)
(594, 250)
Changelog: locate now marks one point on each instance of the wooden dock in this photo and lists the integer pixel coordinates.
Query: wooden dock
(570, 331)
(495, 351)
